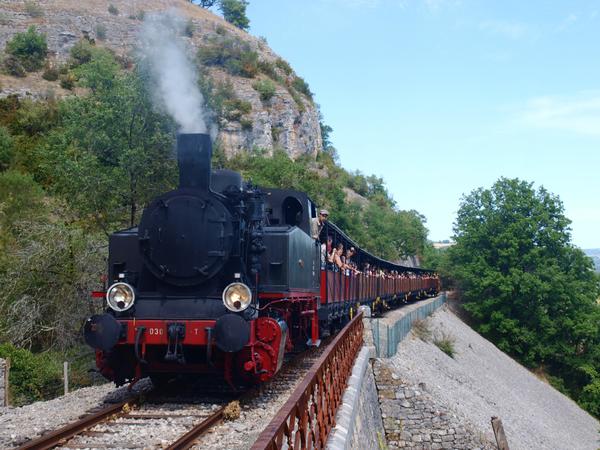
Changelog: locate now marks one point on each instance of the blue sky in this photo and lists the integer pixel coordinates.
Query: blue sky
(440, 97)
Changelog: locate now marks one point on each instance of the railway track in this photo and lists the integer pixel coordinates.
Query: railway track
(162, 420)
(134, 424)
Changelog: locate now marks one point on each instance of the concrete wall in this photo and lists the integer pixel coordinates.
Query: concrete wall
(391, 329)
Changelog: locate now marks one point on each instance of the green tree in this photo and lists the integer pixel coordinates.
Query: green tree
(6, 148)
(528, 288)
(234, 12)
(204, 3)
(113, 150)
(30, 48)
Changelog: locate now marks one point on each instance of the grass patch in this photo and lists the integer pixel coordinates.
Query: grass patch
(421, 329)
(445, 342)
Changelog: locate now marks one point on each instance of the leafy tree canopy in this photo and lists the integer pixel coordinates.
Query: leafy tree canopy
(204, 3)
(234, 12)
(528, 288)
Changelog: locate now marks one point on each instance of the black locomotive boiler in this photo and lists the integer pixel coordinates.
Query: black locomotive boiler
(221, 277)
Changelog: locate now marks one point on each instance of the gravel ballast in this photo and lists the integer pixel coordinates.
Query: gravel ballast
(481, 382)
(18, 425)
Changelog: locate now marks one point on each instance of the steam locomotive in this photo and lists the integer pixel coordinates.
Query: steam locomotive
(221, 277)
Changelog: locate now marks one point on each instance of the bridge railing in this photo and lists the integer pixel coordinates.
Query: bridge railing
(308, 416)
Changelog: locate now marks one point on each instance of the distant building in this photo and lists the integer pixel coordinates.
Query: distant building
(443, 244)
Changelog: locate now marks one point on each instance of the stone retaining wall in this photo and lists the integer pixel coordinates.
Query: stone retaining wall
(412, 419)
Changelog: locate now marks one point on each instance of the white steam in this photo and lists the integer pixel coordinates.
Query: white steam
(172, 72)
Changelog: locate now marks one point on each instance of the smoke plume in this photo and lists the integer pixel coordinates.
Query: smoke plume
(172, 72)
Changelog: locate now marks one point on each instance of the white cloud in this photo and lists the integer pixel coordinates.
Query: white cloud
(509, 29)
(567, 22)
(578, 113)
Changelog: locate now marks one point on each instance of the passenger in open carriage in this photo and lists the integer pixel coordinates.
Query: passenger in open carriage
(348, 260)
(338, 264)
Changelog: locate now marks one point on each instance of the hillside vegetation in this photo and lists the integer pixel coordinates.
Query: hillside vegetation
(526, 287)
(76, 168)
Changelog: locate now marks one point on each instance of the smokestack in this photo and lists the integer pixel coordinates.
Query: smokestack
(194, 152)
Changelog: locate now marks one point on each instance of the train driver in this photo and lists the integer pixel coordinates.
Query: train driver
(317, 224)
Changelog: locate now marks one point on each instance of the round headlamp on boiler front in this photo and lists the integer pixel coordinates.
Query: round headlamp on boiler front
(237, 297)
(120, 296)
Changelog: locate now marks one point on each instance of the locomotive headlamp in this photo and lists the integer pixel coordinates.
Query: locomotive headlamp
(237, 297)
(120, 296)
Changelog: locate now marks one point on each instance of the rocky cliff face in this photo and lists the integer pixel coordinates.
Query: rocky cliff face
(284, 121)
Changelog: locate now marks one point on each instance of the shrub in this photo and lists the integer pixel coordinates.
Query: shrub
(6, 149)
(81, 53)
(50, 73)
(284, 65)
(298, 99)
(221, 30)
(33, 9)
(32, 377)
(189, 28)
(268, 68)
(445, 342)
(275, 132)
(67, 81)
(266, 89)
(12, 66)
(246, 123)
(138, 16)
(236, 57)
(30, 48)
(101, 32)
(125, 61)
(302, 86)
(234, 109)
(113, 10)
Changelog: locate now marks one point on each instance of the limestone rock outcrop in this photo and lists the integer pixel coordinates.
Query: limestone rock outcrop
(281, 122)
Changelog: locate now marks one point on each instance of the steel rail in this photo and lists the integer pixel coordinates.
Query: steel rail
(54, 438)
(307, 417)
(187, 440)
